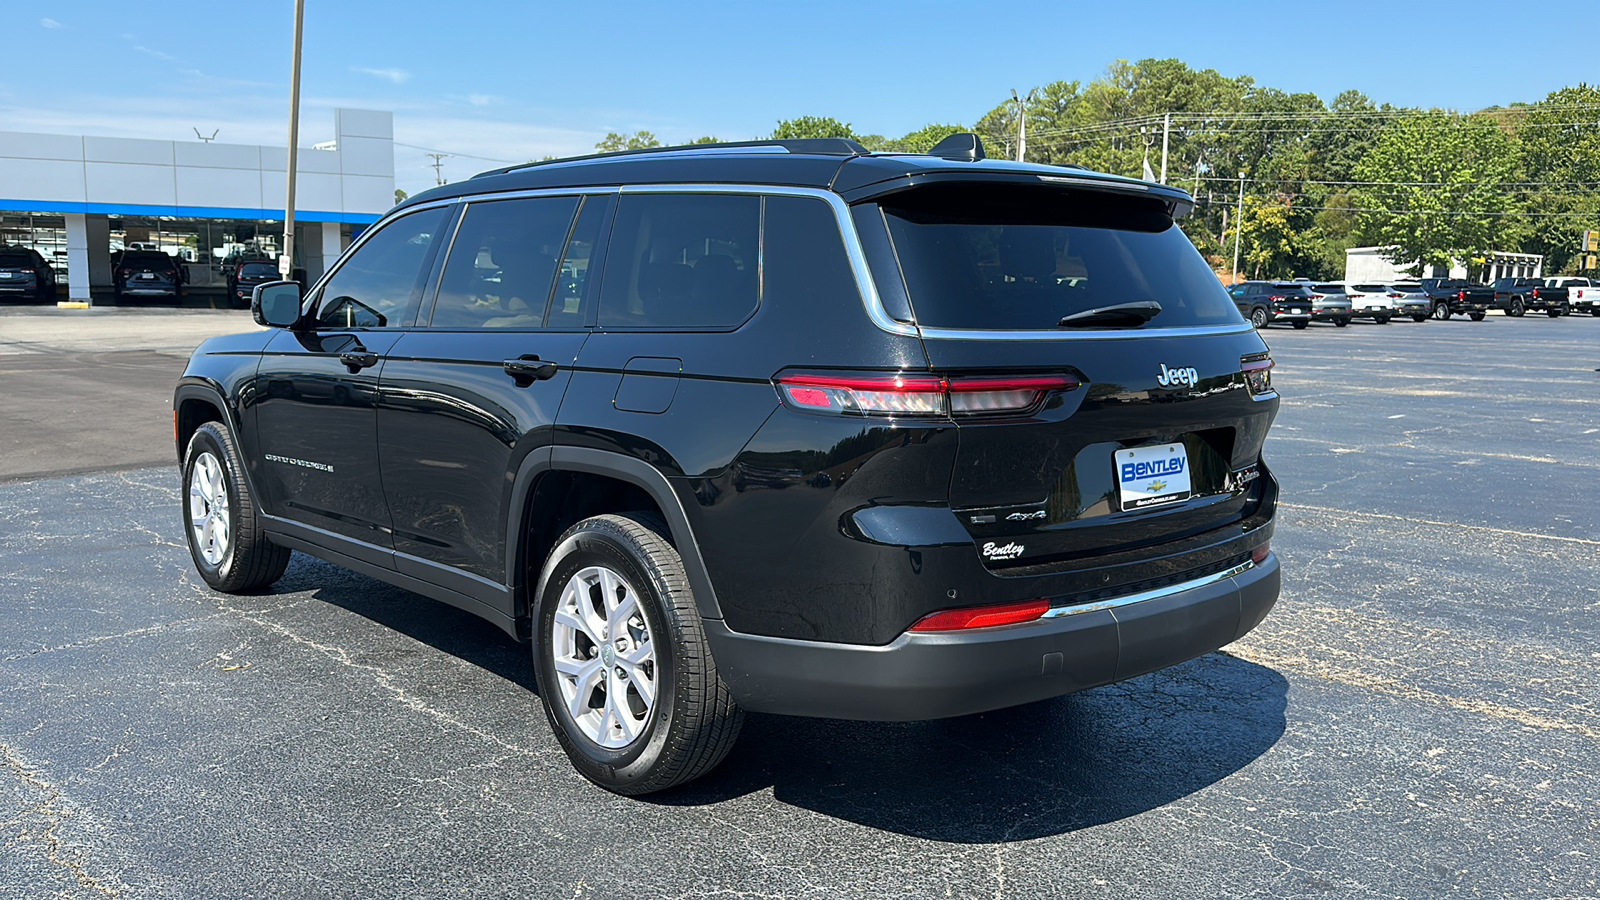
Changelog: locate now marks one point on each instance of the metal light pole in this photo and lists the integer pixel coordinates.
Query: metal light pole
(1166, 132)
(1238, 229)
(1022, 121)
(286, 261)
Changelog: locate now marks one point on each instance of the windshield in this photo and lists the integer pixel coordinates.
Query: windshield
(258, 270)
(1022, 258)
(15, 260)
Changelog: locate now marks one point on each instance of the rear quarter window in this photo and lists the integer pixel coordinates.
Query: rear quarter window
(682, 261)
(991, 257)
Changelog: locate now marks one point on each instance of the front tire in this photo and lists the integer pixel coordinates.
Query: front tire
(1477, 317)
(625, 672)
(223, 526)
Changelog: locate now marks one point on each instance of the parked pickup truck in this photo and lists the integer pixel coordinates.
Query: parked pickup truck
(1457, 296)
(1516, 296)
(1583, 294)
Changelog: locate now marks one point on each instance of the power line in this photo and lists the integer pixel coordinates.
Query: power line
(433, 150)
(1412, 212)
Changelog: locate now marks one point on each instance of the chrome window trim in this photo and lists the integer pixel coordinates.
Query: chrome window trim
(1057, 612)
(852, 247)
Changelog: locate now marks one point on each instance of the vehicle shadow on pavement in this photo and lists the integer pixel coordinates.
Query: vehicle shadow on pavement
(1017, 774)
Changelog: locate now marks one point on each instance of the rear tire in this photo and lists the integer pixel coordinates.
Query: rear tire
(1259, 317)
(226, 536)
(1554, 313)
(1515, 309)
(1441, 311)
(1477, 317)
(1384, 320)
(625, 673)
(1419, 318)
(1301, 324)
(1341, 322)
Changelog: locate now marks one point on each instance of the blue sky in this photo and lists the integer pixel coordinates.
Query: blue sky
(514, 81)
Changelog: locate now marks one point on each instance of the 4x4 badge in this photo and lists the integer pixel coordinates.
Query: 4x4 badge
(1025, 516)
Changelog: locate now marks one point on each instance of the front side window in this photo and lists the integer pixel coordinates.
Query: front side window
(502, 263)
(380, 286)
(999, 257)
(682, 261)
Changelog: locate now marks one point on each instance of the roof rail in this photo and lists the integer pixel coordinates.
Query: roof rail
(816, 146)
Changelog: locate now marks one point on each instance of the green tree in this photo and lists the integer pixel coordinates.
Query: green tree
(1435, 189)
(707, 139)
(1561, 165)
(812, 127)
(400, 196)
(640, 140)
(923, 139)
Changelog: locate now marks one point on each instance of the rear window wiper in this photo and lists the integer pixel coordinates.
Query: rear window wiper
(1130, 314)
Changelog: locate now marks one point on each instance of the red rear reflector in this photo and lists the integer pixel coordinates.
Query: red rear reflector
(1259, 554)
(809, 397)
(982, 616)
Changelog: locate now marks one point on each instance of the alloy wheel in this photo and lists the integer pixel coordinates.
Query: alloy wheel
(604, 656)
(209, 523)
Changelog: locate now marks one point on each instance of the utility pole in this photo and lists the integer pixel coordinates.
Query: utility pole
(1166, 132)
(438, 172)
(1196, 192)
(286, 261)
(1238, 228)
(1022, 121)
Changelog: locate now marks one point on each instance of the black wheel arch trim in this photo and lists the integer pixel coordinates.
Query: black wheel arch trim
(623, 468)
(192, 387)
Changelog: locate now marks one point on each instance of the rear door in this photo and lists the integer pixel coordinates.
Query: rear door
(475, 388)
(1161, 436)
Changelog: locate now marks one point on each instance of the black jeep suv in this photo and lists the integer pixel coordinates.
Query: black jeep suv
(784, 426)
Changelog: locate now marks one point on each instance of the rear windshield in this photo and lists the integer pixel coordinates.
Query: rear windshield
(1371, 288)
(1331, 288)
(1021, 258)
(1407, 287)
(13, 259)
(1291, 290)
(257, 270)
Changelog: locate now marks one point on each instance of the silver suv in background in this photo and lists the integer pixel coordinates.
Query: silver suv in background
(1410, 300)
(1329, 303)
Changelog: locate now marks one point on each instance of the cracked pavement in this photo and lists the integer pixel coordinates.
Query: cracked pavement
(1417, 717)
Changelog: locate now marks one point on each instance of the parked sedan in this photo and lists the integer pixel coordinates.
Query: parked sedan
(1371, 301)
(1411, 300)
(147, 273)
(25, 274)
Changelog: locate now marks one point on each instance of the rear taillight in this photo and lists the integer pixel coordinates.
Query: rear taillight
(1395, 295)
(918, 395)
(1259, 555)
(1535, 293)
(1276, 299)
(1258, 374)
(1461, 295)
(982, 616)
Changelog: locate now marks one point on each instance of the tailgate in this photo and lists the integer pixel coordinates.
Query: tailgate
(1050, 488)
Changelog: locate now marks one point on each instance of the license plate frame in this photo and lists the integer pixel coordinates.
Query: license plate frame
(1150, 476)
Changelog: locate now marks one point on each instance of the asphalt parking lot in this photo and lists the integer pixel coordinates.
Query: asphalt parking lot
(1416, 718)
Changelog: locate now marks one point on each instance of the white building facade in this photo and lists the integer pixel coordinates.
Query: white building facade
(78, 198)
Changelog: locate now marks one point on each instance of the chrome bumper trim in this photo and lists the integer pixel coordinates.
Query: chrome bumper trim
(1057, 612)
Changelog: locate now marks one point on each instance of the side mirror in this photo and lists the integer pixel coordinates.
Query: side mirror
(276, 303)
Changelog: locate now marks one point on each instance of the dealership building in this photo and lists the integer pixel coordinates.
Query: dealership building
(78, 199)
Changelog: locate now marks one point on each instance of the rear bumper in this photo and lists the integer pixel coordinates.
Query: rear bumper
(932, 676)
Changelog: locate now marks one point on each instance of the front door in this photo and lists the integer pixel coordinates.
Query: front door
(314, 409)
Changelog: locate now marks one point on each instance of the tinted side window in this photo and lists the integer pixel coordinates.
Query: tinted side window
(682, 261)
(502, 263)
(380, 285)
(804, 266)
(573, 284)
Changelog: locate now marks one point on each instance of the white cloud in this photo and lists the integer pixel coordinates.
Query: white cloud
(398, 76)
(50, 23)
(481, 99)
(156, 53)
